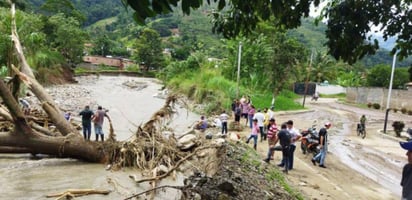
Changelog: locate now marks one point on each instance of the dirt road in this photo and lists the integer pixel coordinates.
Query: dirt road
(357, 168)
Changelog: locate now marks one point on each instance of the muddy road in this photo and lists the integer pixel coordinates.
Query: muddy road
(358, 168)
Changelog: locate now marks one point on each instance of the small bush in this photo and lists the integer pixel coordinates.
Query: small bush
(409, 112)
(376, 106)
(395, 110)
(403, 110)
(369, 105)
(398, 127)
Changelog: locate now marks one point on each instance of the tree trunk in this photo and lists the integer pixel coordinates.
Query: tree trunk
(25, 139)
(27, 76)
(69, 146)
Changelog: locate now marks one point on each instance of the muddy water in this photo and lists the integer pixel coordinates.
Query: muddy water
(24, 178)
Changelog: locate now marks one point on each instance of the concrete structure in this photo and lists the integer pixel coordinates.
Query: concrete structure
(330, 89)
(363, 95)
(121, 63)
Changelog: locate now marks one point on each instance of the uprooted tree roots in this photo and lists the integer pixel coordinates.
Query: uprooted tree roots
(151, 149)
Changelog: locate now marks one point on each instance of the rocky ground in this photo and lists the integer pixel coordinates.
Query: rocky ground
(242, 175)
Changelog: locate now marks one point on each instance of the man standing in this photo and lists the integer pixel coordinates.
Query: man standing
(98, 122)
(362, 121)
(295, 136)
(271, 135)
(271, 112)
(406, 181)
(323, 145)
(223, 118)
(284, 138)
(86, 122)
(260, 119)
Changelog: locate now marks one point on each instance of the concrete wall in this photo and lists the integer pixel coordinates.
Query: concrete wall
(330, 89)
(361, 95)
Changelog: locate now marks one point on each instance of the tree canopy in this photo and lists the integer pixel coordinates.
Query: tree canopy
(349, 22)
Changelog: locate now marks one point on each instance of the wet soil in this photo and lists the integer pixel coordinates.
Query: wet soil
(357, 168)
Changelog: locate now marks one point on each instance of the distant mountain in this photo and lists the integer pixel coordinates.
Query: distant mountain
(94, 10)
(388, 44)
(118, 23)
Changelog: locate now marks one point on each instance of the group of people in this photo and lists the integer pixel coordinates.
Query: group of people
(287, 136)
(88, 116)
(264, 123)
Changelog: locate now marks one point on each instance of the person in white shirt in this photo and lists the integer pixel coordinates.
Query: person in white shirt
(295, 136)
(223, 118)
(271, 113)
(260, 119)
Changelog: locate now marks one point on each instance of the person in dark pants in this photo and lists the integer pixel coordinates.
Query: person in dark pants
(323, 145)
(406, 181)
(223, 118)
(284, 138)
(87, 122)
(295, 136)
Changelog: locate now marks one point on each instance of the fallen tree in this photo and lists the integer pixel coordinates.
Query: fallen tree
(149, 150)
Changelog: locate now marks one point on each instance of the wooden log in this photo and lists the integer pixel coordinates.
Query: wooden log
(79, 192)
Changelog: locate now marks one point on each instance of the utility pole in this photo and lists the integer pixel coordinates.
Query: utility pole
(390, 91)
(238, 69)
(307, 79)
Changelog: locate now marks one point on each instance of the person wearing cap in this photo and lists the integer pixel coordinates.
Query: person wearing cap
(406, 181)
(323, 145)
(254, 134)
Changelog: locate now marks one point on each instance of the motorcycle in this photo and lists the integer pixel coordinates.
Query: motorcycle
(361, 131)
(310, 141)
(315, 97)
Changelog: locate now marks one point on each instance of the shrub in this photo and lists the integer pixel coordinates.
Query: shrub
(398, 127)
(403, 110)
(369, 105)
(395, 110)
(409, 112)
(376, 106)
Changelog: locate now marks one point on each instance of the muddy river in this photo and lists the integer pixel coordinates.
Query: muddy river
(22, 177)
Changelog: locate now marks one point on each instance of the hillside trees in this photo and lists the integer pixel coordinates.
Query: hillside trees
(267, 63)
(379, 76)
(64, 7)
(149, 49)
(323, 68)
(348, 22)
(66, 35)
